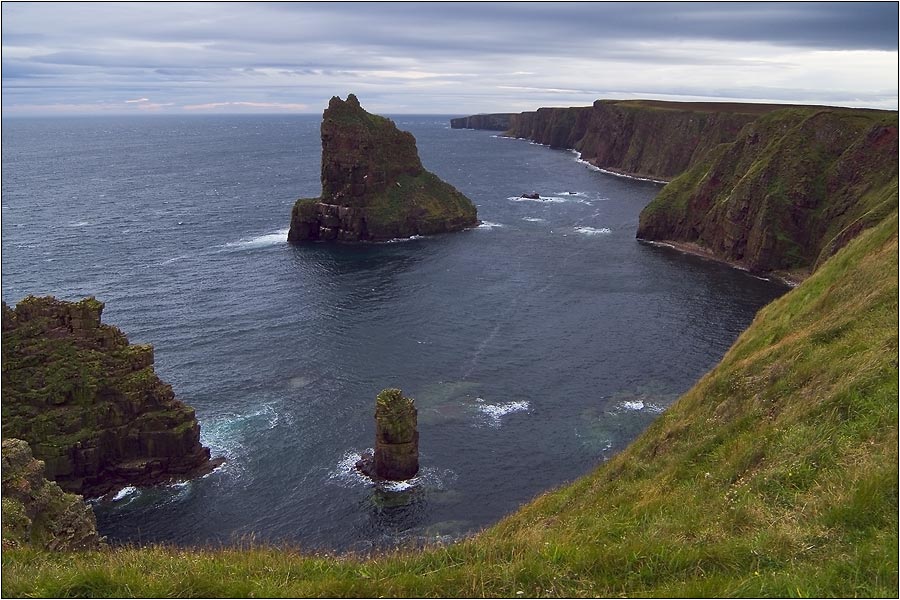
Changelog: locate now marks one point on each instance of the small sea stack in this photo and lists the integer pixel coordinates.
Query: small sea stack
(396, 438)
(374, 187)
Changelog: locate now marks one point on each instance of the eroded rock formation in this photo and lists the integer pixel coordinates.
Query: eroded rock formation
(373, 184)
(36, 511)
(89, 403)
(396, 438)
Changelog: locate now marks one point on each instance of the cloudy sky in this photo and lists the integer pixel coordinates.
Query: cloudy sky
(440, 58)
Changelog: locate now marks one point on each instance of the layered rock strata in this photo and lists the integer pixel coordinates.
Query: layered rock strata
(374, 187)
(89, 403)
(37, 512)
(787, 193)
(396, 454)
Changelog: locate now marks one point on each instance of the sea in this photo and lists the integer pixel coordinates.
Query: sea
(536, 346)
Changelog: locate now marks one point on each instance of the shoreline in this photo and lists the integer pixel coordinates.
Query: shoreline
(788, 278)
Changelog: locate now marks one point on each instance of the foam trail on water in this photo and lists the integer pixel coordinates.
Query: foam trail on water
(592, 230)
(489, 225)
(275, 238)
(551, 199)
(534, 220)
(593, 167)
(399, 240)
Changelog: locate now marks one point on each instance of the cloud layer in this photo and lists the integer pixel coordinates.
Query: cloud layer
(440, 57)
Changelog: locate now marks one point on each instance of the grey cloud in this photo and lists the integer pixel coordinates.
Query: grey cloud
(302, 52)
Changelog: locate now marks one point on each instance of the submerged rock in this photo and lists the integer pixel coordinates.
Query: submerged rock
(531, 196)
(373, 184)
(36, 511)
(396, 454)
(89, 403)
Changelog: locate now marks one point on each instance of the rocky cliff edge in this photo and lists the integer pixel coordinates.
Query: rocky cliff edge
(89, 403)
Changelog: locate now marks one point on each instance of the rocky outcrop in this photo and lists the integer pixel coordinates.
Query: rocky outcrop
(492, 122)
(396, 438)
(89, 403)
(36, 511)
(374, 186)
(787, 193)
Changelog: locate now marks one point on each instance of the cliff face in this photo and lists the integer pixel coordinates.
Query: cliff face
(89, 403)
(36, 511)
(768, 187)
(373, 184)
(493, 122)
(787, 193)
(656, 140)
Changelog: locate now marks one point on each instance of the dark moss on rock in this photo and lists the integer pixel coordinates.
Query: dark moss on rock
(374, 186)
(89, 403)
(36, 512)
(396, 455)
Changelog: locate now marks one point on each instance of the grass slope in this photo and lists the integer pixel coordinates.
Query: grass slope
(776, 475)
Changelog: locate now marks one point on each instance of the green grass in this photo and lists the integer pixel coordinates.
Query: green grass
(776, 475)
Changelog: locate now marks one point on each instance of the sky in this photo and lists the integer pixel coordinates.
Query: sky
(439, 58)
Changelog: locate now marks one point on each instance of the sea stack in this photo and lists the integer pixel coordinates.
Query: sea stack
(90, 404)
(396, 438)
(374, 187)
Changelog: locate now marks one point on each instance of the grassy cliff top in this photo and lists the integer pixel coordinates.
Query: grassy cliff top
(776, 475)
(731, 107)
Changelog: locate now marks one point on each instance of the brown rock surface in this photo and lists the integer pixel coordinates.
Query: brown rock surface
(373, 184)
(89, 403)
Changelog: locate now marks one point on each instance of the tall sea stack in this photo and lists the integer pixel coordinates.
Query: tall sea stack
(373, 184)
(396, 439)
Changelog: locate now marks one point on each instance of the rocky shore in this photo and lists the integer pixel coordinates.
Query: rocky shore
(90, 404)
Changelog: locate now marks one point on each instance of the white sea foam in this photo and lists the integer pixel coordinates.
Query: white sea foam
(640, 405)
(592, 230)
(125, 492)
(495, 412)
(275, 238)
(489, 225)
(406, 239)
(346, 474)
(552, 199)
(534, 220)
(578, 159)
(173, 259)
(78, 223)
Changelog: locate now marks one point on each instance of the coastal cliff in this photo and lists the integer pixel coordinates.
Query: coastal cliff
(640, 138)
(493, 122)
(766, 187)
(89, 403)
(793, 188)
(374, 187)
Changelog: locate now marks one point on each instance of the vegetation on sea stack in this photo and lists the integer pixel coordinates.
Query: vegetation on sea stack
(374, 186)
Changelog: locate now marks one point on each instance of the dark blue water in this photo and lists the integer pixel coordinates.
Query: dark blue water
(536, 346)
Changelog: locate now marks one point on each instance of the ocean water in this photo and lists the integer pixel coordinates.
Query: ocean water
(536, 346)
